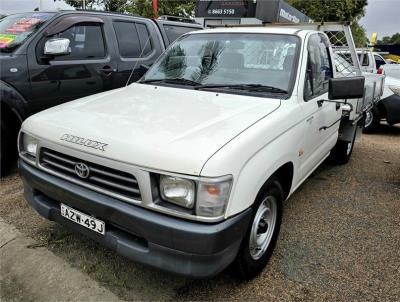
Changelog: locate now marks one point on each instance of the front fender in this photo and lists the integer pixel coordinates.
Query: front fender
(256, 154)
(10, 97)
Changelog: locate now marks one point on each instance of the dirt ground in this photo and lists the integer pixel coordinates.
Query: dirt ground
(340, 239)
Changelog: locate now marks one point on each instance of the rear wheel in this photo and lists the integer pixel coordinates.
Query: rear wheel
(372, 120)
(262, 234)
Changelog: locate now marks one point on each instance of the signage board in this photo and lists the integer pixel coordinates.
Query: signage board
(229, 9)
(267, 11)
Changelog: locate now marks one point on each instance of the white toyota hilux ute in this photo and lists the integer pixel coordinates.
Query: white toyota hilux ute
(187, 170)
(388, 107)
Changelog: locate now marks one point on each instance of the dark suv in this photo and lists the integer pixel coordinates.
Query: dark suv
(48, 58)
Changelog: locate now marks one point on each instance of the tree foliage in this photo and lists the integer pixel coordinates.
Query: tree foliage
(79, 3)
(336, 10)
(359, 35)
(395, 39)
(331, 10)
(140, 7)
(165, 7)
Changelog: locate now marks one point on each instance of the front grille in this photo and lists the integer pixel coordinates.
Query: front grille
(104, 178)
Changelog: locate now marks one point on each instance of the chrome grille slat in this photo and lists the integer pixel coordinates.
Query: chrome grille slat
(49, 162)
(115, 182)
(60, 158)
(111, 184)
(114, 175)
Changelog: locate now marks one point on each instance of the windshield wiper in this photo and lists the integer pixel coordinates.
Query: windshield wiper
(249, 87)
(179, 81)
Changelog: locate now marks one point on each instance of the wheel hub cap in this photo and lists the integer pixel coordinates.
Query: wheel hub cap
(349, 146)
(368, 118)
(263, 227)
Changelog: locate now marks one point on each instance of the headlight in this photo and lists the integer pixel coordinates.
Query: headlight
(28, 145)
(178, 190)
(212, 198)
(212, 195)
(395, 89)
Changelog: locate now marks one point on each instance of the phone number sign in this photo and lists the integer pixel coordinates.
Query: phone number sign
(238, 9)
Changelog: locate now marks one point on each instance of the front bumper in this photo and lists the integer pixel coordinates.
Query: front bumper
(180, 246)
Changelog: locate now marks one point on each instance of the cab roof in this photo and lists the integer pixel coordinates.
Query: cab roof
(253, 29)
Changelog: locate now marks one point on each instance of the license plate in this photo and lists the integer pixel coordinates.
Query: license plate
(87, 221)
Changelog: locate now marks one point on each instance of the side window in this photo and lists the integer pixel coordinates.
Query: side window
(379, 61)
(174, 32)
(128, 39)
(144, 38)
(364, 57)
(86, 42)
(319, 69)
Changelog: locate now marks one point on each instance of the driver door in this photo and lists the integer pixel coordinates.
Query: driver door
(321, 117)
(86, 70)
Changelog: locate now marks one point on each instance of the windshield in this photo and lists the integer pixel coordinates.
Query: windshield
(16, 29)
(236, 60)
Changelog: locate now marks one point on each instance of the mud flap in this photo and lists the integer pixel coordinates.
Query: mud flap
(347, 129)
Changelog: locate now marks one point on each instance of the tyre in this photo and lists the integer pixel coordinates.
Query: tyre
(261, 236)
(8, 152)
(4, 156)
(372, 120)
(341, 153)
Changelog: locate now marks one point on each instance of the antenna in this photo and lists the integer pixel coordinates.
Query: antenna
(140, 56)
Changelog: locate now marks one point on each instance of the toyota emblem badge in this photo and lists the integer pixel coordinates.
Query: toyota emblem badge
(82, 170)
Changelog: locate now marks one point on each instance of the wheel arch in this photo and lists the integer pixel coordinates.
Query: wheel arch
(10, 116)
(284, 174)
(12, 102)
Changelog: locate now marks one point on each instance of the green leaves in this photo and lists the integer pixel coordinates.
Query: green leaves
(336, 10)
(331, 10)
(140, 7)
(395, 39)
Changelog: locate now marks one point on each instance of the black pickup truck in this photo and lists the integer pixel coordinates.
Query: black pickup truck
(48, 58)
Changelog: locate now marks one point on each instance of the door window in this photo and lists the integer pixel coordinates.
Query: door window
(379, 61)
(86, 42)
(144, 38)
(174, 32)
(319, 69)
(363, 58)
(128, 39)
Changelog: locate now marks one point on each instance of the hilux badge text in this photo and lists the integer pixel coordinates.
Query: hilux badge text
(84, 142)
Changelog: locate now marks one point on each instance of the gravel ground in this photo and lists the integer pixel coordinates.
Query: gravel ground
(339, 240)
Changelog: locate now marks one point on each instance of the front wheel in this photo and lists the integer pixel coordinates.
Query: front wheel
(4, 153)
(262, 234)
(8, 152)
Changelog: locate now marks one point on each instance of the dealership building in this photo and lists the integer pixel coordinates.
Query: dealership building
(211, 13)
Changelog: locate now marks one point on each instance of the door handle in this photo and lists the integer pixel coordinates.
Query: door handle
(107, 69)
(309, 120)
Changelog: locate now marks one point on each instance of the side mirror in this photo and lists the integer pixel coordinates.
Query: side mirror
(346, 88)
(57, 47)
